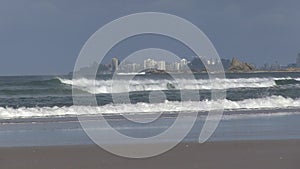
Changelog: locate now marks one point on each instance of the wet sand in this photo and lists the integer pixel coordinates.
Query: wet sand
(283, 154)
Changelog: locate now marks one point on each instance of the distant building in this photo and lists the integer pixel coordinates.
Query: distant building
(161, 65)
(136, 67)
(176, 67)
(275, 66)
(183, 64)
(266, 66)
(115, 64)
(211, 62)
(149, 64)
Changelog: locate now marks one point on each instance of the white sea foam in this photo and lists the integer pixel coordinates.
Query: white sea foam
(105, 86)
(272, 102)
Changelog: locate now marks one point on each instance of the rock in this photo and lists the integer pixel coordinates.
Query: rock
(171, 86)
(238, 66)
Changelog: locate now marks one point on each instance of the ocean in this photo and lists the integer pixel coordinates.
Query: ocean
(258, 106)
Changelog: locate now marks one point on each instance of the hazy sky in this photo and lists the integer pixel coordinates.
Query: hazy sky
(45, 36)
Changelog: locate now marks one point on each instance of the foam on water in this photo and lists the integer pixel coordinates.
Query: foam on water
(105, 86)
(272, 102)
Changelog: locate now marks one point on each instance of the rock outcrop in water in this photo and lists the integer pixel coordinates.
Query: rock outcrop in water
(238, 66)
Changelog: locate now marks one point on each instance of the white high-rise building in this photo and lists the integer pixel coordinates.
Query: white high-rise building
(149, 64)
(183, 64)
(115, 64)
(161, 65)
(136, 67)
(176, 66)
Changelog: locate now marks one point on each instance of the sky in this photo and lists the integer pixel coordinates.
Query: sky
(44, 37)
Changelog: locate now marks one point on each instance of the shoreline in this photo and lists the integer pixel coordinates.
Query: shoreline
(68, 131)
(226, 155)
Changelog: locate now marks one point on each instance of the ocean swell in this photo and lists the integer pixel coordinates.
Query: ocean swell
(106, 86)
(272, 102)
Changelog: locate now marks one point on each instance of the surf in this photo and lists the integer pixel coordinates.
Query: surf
(107, 86)
(267, 103)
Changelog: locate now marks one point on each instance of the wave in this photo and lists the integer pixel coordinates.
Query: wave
(52, 82)
(62, 85)
(287, 82)
(272, 102)
(47, 82)
(105, 86)
(31, 92)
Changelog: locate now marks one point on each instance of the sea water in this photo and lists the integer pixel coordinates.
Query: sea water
(257, 106)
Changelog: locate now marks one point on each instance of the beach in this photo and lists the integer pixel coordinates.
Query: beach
(225, 155)
(247, 142)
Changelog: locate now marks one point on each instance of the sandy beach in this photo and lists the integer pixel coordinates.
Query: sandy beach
(283, 154)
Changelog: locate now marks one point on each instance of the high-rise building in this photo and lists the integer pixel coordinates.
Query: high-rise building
(136, 67)
(161, 65)
(183, 64)
(149, 64)
(176, 66)
(115, 64)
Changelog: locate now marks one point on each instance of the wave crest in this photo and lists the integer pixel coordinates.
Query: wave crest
(105, 86)
(272, 102)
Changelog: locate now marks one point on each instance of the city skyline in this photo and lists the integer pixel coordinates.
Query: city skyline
(149, 63)
(181, 65)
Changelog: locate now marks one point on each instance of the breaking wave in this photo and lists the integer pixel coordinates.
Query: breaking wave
(272, 102)
(105, 86)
